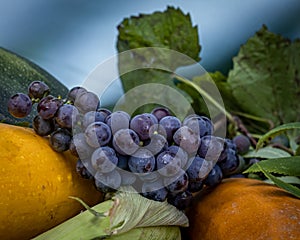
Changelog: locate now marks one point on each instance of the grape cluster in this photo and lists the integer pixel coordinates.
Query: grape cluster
(164, 158)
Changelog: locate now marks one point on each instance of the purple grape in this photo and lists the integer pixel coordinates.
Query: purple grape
(38, 90)
(82, 170)
(242, 144)
(178, 183)
(79, 147)
(182, 200)
(168, 163)
(156, 144)
(187, 139)
(19, 105)
(214, 177)
(60, 140)
(41, 126)
(127, 178)
(171, 124)
(126, 141)
(74, 92)
(228, 144)
(199, 168)
(160, 112)
(104, 111)
(211, 147)
(154, 191)
(199, 124)
(122, 161)
(108, 182)
(118, 120)
(180, 153)
(86, 102)
(98, 134)
(92, 116)
(142, 161)
(67, 115)
(48, 106)
(141, 124)
(104, 159)
(230, 163)
(195, 186)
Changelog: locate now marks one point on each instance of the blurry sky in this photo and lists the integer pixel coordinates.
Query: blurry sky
(69, 38)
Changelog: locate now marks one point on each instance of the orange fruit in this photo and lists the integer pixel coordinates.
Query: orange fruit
(36, 183)
(244, 209)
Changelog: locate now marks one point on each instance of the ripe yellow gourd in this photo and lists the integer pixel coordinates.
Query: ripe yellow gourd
(244, 209)
(35, 184)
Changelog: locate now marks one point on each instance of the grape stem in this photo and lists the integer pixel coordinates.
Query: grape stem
(255, 118)
(245, 131)
(203, 93)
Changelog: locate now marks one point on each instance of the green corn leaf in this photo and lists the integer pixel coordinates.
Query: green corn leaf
(127, 216)
(289, 166)
(267, 152)
(286, 186)
(276, 131)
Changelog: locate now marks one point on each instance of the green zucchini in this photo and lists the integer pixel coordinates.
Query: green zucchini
(16, 73)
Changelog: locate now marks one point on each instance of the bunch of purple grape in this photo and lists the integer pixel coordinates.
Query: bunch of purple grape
(162, 157)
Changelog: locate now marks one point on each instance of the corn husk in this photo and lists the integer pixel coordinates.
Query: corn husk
(127, 215)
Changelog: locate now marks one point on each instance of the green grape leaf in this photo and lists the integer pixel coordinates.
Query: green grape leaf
(159, 32)
(289, 166)
(267, 152)
(276, 131)
(265, 78)
(16, 73)
(287, 179)
(286, 186)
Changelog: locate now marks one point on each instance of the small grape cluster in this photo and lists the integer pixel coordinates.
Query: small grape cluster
(164, 158)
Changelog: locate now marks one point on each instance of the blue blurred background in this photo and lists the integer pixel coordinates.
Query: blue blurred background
(69, 38)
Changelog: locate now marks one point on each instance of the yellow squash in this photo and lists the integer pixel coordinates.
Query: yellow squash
(35, 184)
(244, 209)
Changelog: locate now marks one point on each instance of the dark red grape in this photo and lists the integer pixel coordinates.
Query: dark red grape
(48, 106)
(38, 90)
(41, 126)
(19, 105)
(60, 140)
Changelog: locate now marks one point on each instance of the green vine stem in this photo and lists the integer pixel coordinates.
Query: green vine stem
(206, 95)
